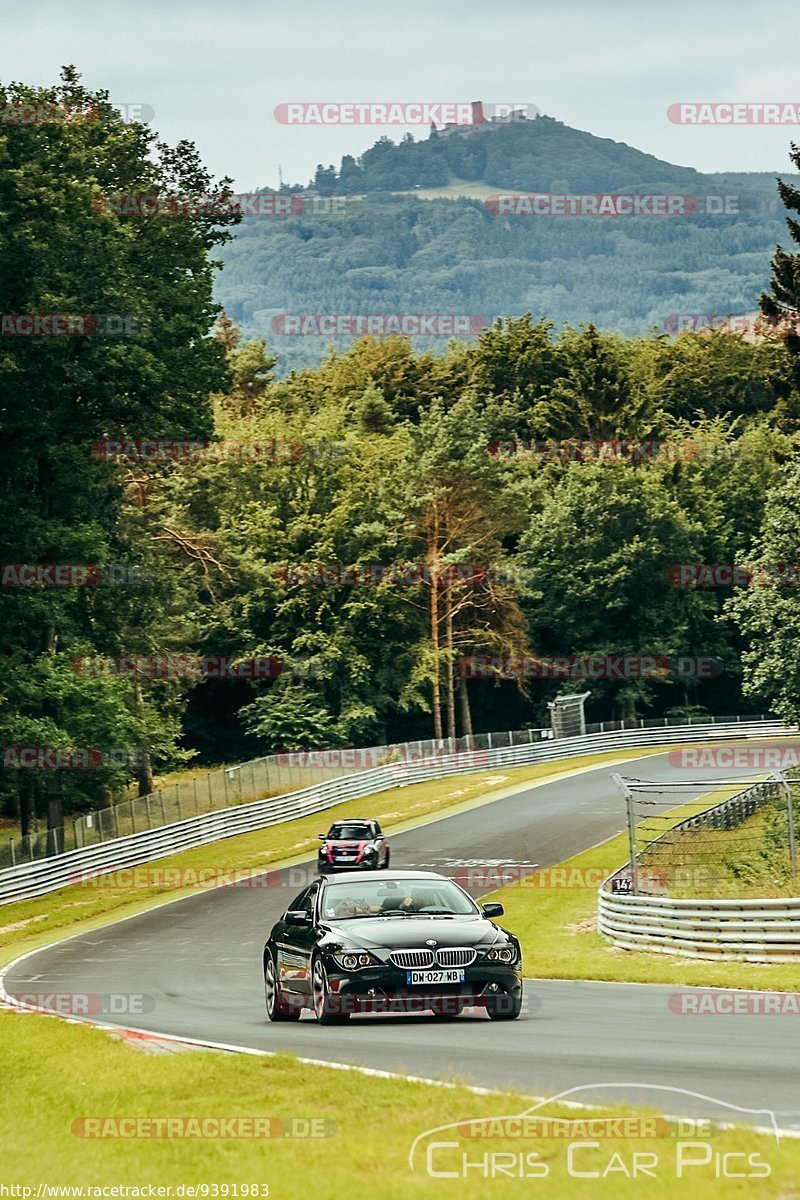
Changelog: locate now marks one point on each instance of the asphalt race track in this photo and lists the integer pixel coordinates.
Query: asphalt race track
(197, 962)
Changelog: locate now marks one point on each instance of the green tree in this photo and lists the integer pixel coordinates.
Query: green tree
(68, 247)
(782, 304)
(767, 613)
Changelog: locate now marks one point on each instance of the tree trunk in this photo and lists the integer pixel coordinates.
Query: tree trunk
(27, 805)
(466, 714)
(449, 683)
(55, 817)
(144, 774)
(437, 700)
(144, 768)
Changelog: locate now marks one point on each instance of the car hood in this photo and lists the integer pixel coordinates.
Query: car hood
(347, 843)
(406, 932)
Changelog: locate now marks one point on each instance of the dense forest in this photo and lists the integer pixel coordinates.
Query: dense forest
(372, 527)
(413, 235)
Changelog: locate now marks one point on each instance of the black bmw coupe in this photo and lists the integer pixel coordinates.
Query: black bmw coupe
(401, 941)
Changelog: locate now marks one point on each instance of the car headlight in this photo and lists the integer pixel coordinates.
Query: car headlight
(503, 954)
(354, 960)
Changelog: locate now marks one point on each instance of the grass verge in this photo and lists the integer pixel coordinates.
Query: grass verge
(56, 1075)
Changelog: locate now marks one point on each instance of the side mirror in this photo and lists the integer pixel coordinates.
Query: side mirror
(492, 909)
(322, 836)
(297, 916)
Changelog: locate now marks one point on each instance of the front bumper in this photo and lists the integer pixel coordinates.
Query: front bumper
(384, 988)
(325, 866)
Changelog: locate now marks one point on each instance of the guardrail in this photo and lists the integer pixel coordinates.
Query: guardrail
(748, 930)
(758, 930)
(46, 875)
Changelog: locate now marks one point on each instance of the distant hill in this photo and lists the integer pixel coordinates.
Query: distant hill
(539, 155)
(416, 235)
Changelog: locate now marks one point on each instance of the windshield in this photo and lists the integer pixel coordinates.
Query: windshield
(345, 900)
(357, 832)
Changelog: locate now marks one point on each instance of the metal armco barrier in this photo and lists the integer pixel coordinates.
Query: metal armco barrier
(47, 875)
(750, 930)
(758, 930)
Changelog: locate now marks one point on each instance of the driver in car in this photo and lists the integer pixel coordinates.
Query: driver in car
(411, 902)
(350, 907)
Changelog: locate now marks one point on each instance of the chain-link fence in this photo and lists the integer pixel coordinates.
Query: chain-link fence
(741, 844)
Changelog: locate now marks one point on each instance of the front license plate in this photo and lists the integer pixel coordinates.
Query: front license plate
(434, 977)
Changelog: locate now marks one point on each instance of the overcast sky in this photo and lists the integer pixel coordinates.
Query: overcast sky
(214, 72)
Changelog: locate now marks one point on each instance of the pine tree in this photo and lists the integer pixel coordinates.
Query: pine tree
(784, 303)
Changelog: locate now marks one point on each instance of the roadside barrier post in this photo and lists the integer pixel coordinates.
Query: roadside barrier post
(787, 787)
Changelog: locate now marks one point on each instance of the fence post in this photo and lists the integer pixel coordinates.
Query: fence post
(194, 790)
(253, 773)
(161, 800)
(13, 857)
(133, 815)
(147, 806)
(787, 787)
(632, 844)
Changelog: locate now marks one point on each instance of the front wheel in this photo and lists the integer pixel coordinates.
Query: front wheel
(278, 1007)
(504, 1006)
(327, 1007)
(386, 862)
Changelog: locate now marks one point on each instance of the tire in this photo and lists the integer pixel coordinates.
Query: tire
(327, 1008)
(504, 1007)
(448, 1006)
(386, 861)
(278, 1007)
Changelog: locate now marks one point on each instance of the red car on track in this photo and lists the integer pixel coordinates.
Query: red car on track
(353, 845)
